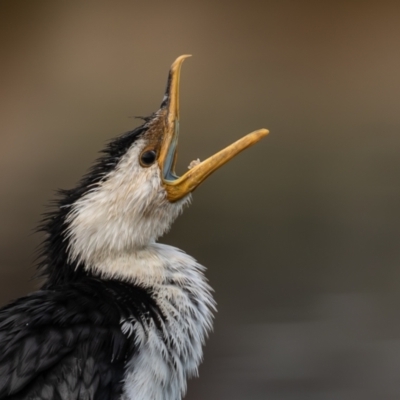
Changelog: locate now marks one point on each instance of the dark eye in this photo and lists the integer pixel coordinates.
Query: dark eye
(147, 158)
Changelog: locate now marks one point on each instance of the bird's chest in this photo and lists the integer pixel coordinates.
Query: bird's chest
(168, 350)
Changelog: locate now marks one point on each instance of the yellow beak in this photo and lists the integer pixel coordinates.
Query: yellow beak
(179, 187)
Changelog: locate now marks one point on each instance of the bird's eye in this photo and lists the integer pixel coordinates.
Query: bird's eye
(147, 158)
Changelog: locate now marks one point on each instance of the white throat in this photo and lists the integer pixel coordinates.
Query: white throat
(123, 214)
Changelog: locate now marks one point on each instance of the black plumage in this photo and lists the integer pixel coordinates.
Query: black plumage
(67, 343)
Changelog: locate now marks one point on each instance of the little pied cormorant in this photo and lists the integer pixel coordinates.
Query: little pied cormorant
(119, 316)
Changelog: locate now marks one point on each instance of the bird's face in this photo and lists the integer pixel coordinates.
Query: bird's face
(132, 195)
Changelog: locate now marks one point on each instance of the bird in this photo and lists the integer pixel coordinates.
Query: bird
(119, 316)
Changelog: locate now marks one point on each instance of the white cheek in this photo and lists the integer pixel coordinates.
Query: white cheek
(127, 210)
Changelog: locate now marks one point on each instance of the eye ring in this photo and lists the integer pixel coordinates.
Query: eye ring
(147, 158)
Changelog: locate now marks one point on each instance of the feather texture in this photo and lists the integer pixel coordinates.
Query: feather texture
(68, 344)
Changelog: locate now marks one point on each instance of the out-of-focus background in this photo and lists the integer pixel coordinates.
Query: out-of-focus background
(300, 234)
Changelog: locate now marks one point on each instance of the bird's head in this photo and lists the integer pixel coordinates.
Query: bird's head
(132, 194)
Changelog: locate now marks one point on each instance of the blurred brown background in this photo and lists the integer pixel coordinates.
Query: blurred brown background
(300, 233)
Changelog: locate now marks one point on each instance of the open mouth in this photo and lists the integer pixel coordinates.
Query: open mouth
(179, 187)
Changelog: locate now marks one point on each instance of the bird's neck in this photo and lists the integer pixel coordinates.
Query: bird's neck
(147, 266)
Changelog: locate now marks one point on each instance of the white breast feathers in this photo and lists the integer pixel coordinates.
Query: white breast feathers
(160, 367)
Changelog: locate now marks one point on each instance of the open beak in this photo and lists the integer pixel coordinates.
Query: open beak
(178, 187)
